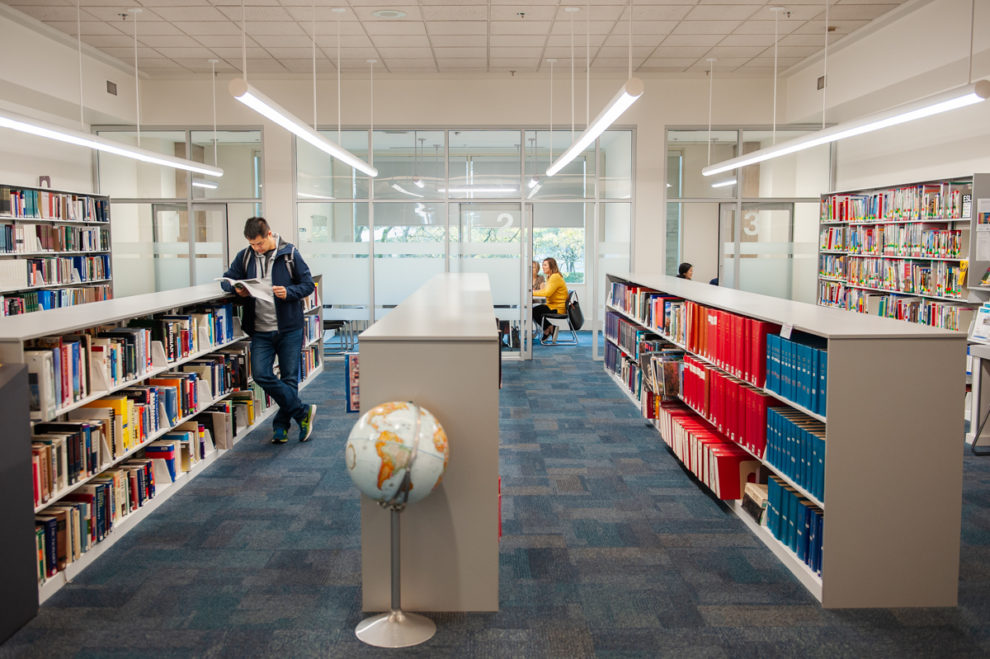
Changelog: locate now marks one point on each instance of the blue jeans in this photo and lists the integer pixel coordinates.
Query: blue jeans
(287, 346)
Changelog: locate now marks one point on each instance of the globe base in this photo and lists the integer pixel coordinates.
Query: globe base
(395, 629)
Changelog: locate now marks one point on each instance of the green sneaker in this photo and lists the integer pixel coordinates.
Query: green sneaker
(306, 424)
(280, 436)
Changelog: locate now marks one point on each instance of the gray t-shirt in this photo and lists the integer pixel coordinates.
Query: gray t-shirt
(264, 312)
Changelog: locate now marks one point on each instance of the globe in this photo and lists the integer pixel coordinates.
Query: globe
(390, 441)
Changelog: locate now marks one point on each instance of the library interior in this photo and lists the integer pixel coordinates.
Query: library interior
(595, 305)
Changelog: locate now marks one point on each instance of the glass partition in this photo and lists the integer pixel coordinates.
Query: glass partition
(616, 154)
(559, 232)
(170, 233)
(409, 249)
(410, 164)
(801, 174)
(127, 178)
(238, 153)
(209, 242)
(318, 176)
(691, 148)
(484, 164)
(575, 181)
(133, 245)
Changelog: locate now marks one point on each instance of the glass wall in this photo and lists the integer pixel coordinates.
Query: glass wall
(763, 217)
(155, 245)
(467, 200)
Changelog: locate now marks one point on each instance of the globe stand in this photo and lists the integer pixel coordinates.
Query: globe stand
(395, 629)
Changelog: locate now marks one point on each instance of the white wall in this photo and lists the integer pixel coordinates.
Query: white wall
(922, 49)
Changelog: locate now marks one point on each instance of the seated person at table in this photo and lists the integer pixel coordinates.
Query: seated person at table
(538, 279)
(555, 291)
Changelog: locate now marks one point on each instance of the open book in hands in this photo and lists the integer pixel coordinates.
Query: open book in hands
(256, 287)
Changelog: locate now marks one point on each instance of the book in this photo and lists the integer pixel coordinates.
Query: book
(256, 287)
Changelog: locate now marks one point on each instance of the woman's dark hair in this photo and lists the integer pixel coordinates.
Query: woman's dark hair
(683, 268)
(256, 227)
(552, 262)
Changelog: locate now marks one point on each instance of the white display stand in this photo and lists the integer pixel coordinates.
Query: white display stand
(893, 466)
(439, 349)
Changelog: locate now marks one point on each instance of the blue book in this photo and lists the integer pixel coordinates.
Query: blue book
(822, 388)
(771, 381)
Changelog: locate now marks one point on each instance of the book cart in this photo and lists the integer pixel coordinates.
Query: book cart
(890, 493)
(54, 249)
(16, 336)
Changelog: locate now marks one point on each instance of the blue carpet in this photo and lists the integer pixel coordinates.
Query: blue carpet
(610, 549)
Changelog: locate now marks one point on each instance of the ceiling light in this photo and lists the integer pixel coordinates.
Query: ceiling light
(723, 184)
(625, 97)
(204, 183)
(79, 138)
(390, 14)
(926, 107)
(418, 182)
(251, 97)
(309, 195)
(532, 183)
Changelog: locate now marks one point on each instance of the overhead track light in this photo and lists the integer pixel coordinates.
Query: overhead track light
(79, 138)
(926, 107)
(625, 97)
(251, 97)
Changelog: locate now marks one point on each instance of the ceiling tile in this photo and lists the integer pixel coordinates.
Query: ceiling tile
(803, 40)
(214, 41)
(177, 14)
(203, 66)
(112, 11)
(662, 12)
(289, 52)
(647, 27)
(458, 28)
(596, 40)
(267, 65)
(127, 54)
(447, 41)
(705, 27)
(420, 53)
(818, 27)
(87, 27)
(691, 40)
(165, 40)
(448, 53)
(276, 28)
(235, 53)
(198, 28)
(637, 39)
(515, 52)
(403, 41)
(526, 27)
(680, 51)
(366, 14)
(615, 64)
(596, 27)
(670, 62)
(412, 65)
(722, 12)
(394, 27)
(254, 14)
(196, 51)
(613, 51)
(748, 40)
(288, 41)
(532, 13)
(535, 41)
(453, 66)
(517, 63)
(300, 65)
(736, 51)
(766, 27)
(324, 14)
(346, 41)
(455, 13)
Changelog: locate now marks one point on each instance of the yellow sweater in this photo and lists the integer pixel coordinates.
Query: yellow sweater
(555, 291)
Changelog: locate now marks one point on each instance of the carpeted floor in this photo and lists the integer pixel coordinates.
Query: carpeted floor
(609, 549)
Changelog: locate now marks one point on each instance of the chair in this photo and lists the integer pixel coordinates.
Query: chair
(570, 321)
(343, 331)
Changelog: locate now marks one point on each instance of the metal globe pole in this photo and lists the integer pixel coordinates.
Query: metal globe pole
(397, 628)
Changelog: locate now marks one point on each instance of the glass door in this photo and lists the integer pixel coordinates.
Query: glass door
(170, 254)
(757, 247)
(210, 258)
(488, 237)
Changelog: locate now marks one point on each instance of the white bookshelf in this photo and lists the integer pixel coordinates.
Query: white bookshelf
(893, 466)
(16, 331)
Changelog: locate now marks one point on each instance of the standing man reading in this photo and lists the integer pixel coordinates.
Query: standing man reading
(276, 325)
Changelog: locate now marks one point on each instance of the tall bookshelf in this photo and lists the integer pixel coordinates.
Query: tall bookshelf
(18, 333)
(914, 251)
(891, 494)
(54, 249)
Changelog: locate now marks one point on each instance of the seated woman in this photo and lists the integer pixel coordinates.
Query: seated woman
(555, 292)
(538, 279)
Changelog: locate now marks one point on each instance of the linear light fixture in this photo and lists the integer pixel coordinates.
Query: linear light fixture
(926, 107)
(204, 183)
(723, 184)
(625, 97)
(79, 138)
(251, 97)
(399, 188)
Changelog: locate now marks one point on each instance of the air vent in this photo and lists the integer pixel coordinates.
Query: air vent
(111, 88)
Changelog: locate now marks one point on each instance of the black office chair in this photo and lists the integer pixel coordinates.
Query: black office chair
(343, 336)
(571, 321)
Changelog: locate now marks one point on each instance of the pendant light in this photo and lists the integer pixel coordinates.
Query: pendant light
(626, 96)
(241, 90)
(32, 126)
(968, 94)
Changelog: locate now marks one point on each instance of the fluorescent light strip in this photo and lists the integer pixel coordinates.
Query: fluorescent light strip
(309, 195)
(79, 138)
(399, 188)
(724, 184)
(251, 97)
(203, 183)
(926, 107)
(625, 97)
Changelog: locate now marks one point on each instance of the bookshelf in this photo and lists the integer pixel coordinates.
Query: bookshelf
(914, 252)
(246, 406)
(54, 249)
(889, 538)
(440, 349)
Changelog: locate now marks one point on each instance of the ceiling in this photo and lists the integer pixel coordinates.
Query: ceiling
(179, 37)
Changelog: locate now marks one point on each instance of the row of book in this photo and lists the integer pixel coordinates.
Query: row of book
(48, 205)
(796, 448)
(720, 464)
(309, 360)
(626, 334)
(832, 265)
(53, 298)
(832, 239)
(902, 275)
(736, 408)
(312, 328)
(943, 200)
(832, 294)
(29, 238)
(796, 522)
(66, 369)
(797, 370)
(905, 240)
(933, 313)
(51, 271)
(624, 368)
